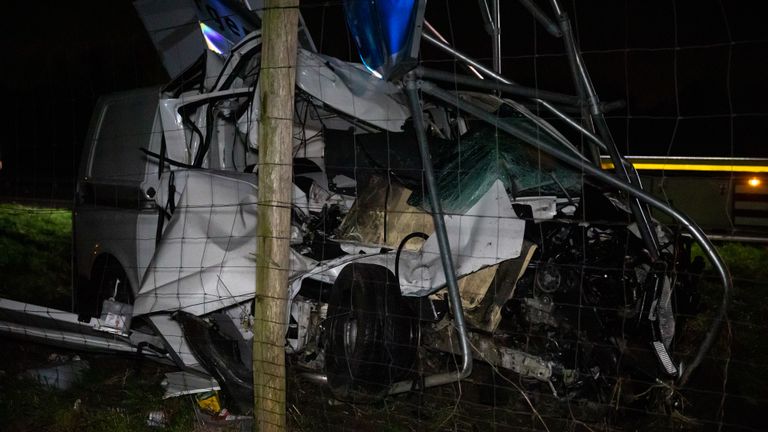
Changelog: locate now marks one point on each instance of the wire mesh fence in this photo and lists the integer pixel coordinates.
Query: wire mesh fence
(573, 322)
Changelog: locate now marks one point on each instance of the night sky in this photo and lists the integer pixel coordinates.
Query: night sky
(694, 73)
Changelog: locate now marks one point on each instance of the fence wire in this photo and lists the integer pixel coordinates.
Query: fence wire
(562, 300)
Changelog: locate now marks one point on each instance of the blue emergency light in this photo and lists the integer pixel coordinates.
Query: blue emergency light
(387, 34)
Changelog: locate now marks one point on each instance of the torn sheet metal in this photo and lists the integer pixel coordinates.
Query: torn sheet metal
(474, 287)
(485, 312)
(175, 32)
(661, 234)
(382, 217)
(206, 262)
(206, 341)
(542, 208)
(348, 88)
(181, 144)
(487, 234)
(173, 338)
(57, 327)
(185, 383)
(206, 258)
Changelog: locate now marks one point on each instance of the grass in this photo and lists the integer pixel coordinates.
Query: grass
(740, 356)
(114, 394)
(35, 262)
(748, 265)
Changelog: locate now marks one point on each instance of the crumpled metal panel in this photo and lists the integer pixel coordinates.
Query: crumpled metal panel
(205, 260)
(487, 234)
(184, 383)
(351, 90)
(173, 27)
(382, 217)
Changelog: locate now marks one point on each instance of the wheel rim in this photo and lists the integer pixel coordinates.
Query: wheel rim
(350, 335)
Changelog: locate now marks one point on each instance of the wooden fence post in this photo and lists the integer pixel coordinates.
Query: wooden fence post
(277, 81)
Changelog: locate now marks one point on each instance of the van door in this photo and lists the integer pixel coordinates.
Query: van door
(109, 196)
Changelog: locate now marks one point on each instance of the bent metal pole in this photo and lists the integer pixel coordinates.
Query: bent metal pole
(621, 184)
(643, 221)
(445, 253)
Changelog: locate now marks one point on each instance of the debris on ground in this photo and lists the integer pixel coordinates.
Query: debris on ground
(63, 372)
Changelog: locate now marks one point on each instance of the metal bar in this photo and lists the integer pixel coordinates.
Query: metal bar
(696, 163)
(639, 213)
(485, 71)
(513, 89)
(57, 327)
(496, 45)
(543, 124)
(583, 84)
(572, 123)
(491, 74)
(485, 11)
(445, 254)
(708, 159)
(479, 66)
(738, 238)
(314, 378)
(442, 39)
(565, 28)
(586, 90)
(542, 18)
(556, 7)
(690, 226)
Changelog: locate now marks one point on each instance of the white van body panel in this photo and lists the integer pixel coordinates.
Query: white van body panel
(206, 259)
(110, 199)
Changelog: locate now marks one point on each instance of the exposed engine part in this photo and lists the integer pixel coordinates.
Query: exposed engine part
(493, 351)
(486, 314)
(548, 278)
(525, 364)
(539, 310)
(593, 298)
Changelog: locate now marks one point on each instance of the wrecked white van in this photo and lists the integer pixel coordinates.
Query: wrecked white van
(555, 280)
(166, 208)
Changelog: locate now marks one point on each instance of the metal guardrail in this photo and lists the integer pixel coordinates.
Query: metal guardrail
(693, 163)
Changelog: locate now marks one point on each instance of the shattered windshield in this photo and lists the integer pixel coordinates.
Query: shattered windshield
(466, 167)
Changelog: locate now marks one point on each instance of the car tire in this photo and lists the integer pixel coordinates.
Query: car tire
(371, 334)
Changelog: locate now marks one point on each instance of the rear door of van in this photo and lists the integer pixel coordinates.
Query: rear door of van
(109, 199)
